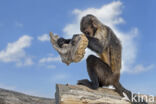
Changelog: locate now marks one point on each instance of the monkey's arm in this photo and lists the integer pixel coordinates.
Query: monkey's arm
(95, 45)
(99, 45)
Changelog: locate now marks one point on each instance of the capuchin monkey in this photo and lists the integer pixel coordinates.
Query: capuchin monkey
(105, 69)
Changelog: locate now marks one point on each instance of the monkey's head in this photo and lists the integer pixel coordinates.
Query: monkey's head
(89, 24)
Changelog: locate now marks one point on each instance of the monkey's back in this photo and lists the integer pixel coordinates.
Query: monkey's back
(115, 53)
(112, 54)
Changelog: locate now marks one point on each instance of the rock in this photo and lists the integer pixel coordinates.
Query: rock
(68, 94)
(12, 97)
(72, 52)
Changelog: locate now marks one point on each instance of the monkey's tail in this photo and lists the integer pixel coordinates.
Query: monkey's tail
(120, 89)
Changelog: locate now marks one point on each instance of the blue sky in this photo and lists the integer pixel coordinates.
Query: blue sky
(29, 64)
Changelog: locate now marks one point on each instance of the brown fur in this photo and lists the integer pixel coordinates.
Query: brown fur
(105, 69)
(112, 47)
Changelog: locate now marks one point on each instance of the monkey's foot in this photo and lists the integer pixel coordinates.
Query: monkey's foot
(87, 83)
(84, 82)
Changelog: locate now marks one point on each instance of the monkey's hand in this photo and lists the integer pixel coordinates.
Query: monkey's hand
(62, 41)
(94, 44)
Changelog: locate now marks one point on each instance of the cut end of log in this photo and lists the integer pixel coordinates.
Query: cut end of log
(73, 51)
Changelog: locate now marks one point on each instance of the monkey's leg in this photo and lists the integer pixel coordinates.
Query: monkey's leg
(94, 83)
(99, 72)
(92, 67)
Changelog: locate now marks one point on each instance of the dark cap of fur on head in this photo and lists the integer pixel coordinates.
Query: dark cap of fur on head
(87, 20)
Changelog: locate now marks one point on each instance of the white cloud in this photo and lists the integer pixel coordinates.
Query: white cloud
(51, 66)
(140, 68)
(28, 61)
(44, 37)
(15, 52)
(110, 14)
(49, 59)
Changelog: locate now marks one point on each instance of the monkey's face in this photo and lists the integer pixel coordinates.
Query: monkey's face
(89, 31)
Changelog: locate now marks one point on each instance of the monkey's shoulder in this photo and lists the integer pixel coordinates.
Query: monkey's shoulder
(101, 33)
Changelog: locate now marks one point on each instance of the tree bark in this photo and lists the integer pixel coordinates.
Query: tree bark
(72, 52)
(68, 94)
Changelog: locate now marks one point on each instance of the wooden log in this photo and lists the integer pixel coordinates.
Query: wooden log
(69, 94)
(72, 52)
